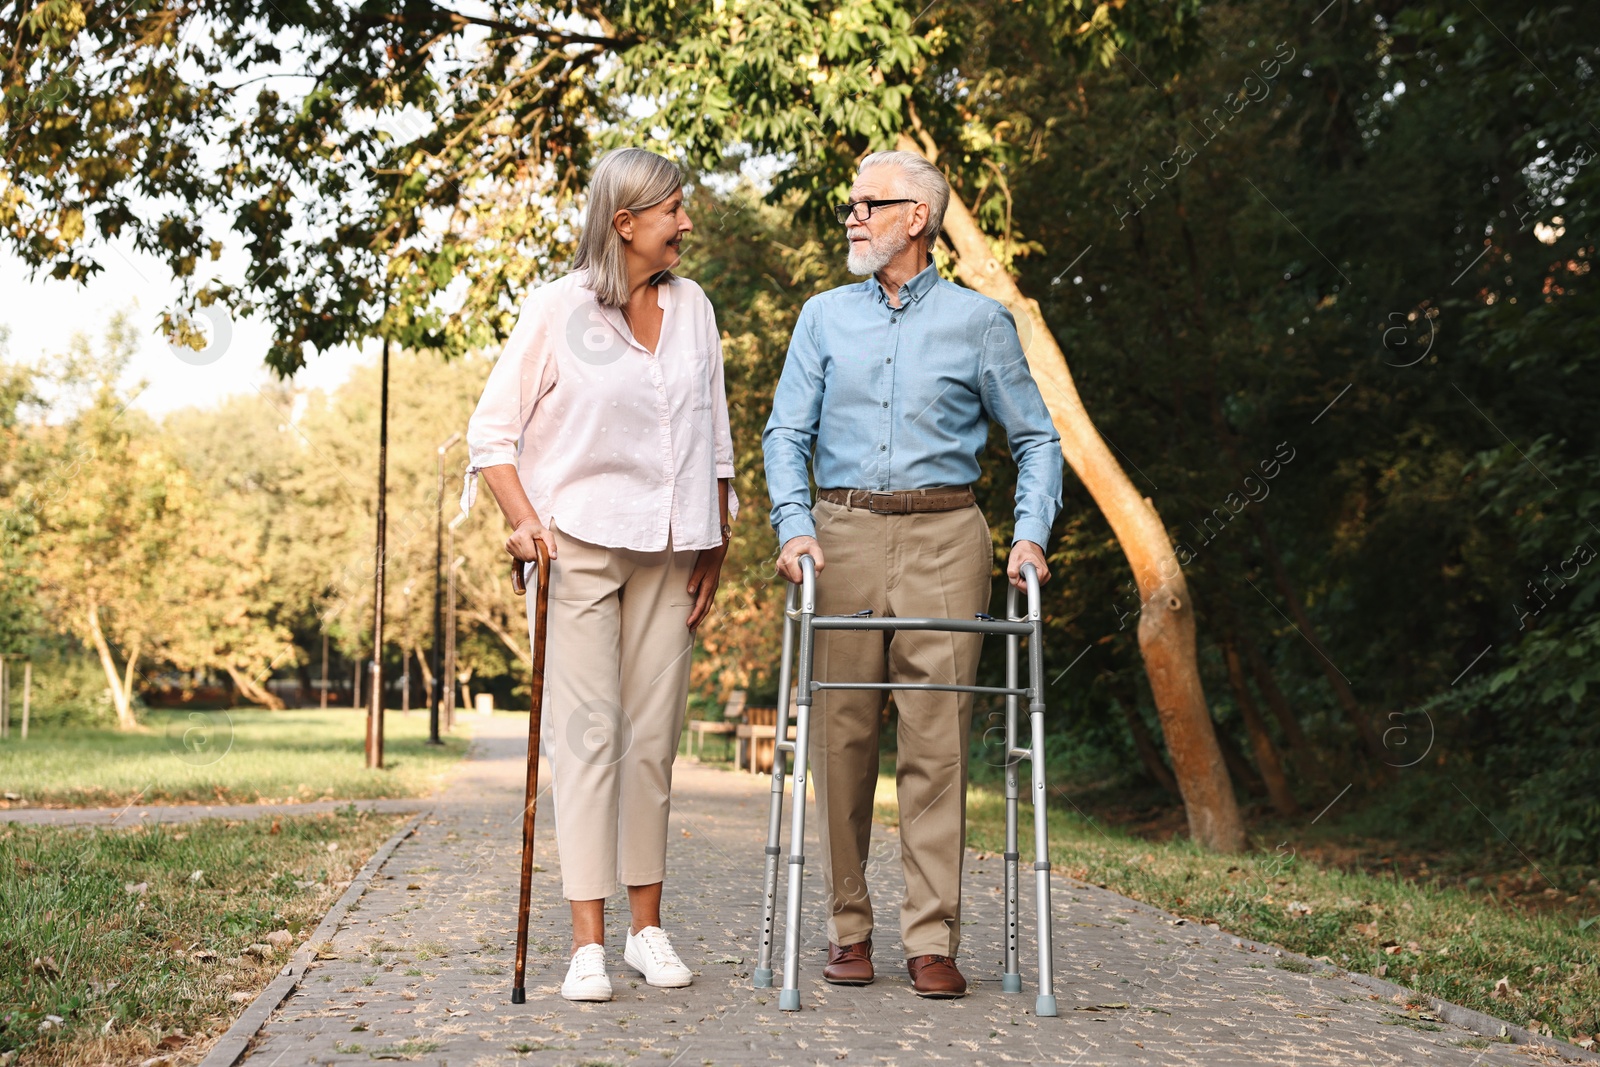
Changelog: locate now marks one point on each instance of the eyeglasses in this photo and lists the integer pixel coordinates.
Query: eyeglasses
(846, 212)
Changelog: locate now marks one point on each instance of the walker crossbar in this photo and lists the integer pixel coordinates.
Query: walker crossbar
(955, 626)
(801, 622)
(927, 687)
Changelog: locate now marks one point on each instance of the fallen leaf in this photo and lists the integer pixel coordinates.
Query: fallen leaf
(280, 939)
(137, 889)
(196, 876)
(413, 885)
(1502, 990)
(333, 846)
(457, 1013)
(241, 997)
(1393, 950)
(47, 966)
(1367, 929)
(204, 955)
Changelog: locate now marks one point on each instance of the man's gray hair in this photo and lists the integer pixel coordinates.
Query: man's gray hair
(921, 180)
(627, 179)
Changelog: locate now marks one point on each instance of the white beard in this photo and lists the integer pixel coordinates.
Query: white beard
(864, 261)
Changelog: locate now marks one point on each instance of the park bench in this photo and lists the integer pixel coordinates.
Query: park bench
(755, 738)
(732, 712)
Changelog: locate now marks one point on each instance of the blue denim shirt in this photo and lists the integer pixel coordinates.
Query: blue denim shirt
(879, 397)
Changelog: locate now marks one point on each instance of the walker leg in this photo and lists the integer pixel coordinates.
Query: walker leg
(762, 978)
(1045, 1005)
(789, 996)
(1011, 978)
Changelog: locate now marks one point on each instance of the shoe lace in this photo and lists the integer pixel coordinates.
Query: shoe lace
(660, 948)
(590, 960)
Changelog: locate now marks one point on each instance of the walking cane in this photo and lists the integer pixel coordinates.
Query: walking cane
(541, 603)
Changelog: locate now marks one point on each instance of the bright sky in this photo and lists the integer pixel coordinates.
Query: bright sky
(43, 314)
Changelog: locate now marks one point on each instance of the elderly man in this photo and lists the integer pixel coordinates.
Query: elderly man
(889, 388)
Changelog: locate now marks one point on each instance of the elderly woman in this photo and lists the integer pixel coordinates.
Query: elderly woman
(603, 432)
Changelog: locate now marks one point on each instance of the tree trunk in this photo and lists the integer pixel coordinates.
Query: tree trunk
(121, 698)
(1166, 625)
(1149, 754)
(1293, 733)
(252, 690)
(1341, 687)
(1266, 754)
(1239, 768)
(427, 674)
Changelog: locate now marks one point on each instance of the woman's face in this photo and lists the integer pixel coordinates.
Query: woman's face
(655, 234)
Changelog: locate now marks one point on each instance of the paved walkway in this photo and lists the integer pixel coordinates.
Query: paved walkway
(421, 969)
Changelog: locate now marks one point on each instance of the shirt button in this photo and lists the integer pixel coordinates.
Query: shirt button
(885, 403)
(889, 360)
(883, 448)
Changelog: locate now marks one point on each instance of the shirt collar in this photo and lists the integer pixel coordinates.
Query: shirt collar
(914, 289)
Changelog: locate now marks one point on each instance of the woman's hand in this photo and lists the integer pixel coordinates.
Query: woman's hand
(703, 582)
(520, 543)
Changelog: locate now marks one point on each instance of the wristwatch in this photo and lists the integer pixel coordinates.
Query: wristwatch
(727, 533)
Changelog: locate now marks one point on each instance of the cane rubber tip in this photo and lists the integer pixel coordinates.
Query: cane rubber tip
(1011, 983)
(763, 978)
(1045, 1007)
(789, 1000)
(519, 995)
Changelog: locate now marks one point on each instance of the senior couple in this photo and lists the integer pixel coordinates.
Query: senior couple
(603, 432)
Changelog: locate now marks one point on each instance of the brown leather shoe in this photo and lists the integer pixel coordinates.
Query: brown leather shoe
(936, 976)
(849, 964)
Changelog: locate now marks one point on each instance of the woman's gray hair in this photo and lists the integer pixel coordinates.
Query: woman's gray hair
(627, 179)
(921, 180)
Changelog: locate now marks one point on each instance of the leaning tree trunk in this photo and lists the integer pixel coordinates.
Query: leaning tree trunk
(121, 696)
(253, 690)
(1166, 624)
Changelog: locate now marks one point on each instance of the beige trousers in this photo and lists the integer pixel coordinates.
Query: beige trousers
(935, 564)
(616, 687)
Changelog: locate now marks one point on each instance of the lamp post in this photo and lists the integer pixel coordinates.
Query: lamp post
(438, 592)
(375, 696)
(450, 638)
(449, 710)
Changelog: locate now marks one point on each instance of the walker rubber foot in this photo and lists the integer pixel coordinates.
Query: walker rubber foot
(763, 978)
(519, 995)
(789, 1000)
(1045, 1007)
(1011, 983)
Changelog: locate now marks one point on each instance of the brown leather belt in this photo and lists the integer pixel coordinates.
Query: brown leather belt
(901, 501)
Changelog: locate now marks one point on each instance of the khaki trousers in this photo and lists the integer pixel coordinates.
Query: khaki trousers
(934, 564)
(616, 688)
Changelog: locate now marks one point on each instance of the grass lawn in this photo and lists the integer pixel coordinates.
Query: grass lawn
(118, 945)
(1449, 942)
(240, 756)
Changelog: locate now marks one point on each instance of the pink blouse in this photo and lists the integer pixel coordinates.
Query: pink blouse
(615, 445)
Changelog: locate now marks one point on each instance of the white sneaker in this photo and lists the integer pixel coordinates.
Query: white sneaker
(586, 975)
(650, 953)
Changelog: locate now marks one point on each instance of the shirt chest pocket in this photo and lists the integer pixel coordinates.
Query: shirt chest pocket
(697, 376)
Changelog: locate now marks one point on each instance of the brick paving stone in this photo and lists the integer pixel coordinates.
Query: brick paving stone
(421, 969)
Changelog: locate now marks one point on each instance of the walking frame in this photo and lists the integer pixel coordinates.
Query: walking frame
(800, 623)
(541, 605)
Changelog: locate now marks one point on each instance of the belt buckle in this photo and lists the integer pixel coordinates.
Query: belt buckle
(872, 508)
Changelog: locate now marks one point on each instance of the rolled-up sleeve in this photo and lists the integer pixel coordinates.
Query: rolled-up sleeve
(524, 372)
(1011, 398)
(791, 433)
